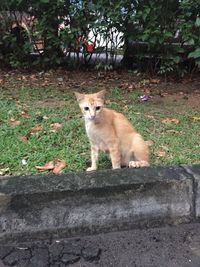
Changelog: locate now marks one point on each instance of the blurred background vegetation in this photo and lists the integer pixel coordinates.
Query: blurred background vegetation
(158, 36)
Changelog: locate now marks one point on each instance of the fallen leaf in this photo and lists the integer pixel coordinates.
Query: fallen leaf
(155, 81)
(35, 129)
(23, 138)
(55, 127)
(170, 121)
(161, 153)
(125, 84)
(84, 82)
(47, 73)
(126, 107)
(144, 82)
(44, 84)
(60, 79)
(24, 114)
(4, 171)
(33, 77)
(14, 122)
(131, 87)
(146, 91)
(60, 164)
(173, 131)
(45, 118)
(48, 166)
(194, 119)
(150, 116)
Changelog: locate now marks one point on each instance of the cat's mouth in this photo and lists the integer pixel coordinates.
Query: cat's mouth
(92, 119)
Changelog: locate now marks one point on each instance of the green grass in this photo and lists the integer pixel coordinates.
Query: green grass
(172, 143)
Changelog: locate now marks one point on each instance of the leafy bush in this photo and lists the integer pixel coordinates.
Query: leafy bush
(162, 36)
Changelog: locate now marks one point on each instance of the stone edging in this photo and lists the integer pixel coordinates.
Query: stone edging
(73, 204)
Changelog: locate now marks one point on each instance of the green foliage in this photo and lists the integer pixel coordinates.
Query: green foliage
(169, 31)
(195, 54)
(190, 27)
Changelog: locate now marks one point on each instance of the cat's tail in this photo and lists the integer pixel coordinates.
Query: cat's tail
(140, 150)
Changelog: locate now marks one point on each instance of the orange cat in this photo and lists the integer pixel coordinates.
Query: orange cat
(111, 132)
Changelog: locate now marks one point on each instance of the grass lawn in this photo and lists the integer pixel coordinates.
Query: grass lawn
(42, 122)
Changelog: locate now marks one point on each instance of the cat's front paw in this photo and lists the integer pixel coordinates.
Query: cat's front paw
(91, 169)
(138, 164)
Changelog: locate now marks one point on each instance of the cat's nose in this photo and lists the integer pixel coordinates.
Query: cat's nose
(92, 117)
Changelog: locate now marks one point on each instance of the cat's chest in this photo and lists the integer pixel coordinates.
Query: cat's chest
(95, 135)
(92, 130)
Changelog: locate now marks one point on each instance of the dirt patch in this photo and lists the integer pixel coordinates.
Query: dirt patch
(177, 99)
(49, 102)
(185, 92)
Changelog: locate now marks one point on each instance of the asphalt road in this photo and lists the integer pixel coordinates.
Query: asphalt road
(175, 246)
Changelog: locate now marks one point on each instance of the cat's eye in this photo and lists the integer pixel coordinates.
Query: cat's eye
(98, 108)
(86, 108)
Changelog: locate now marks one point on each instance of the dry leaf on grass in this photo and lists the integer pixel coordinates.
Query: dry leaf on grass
(45, 118)
(14, 122)
(54, 166)
(23, 138)
(131, 87)
(4, 171)
(24, 114)
(162, 151)
(33, 77)
(194, 119)
(55, 127)
(171, 121)
(48, 166)
(35, 129)
(155, 81)
(60, 164)
(173, 131)
(150, 116)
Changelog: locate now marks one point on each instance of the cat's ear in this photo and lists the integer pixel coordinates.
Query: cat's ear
(102, 95)
(79, 96)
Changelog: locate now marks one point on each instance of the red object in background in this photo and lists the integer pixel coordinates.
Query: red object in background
(90, 48)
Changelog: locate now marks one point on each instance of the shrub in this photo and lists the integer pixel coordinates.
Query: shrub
(162, 36)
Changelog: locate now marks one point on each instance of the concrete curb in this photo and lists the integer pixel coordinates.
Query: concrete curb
(73, 204)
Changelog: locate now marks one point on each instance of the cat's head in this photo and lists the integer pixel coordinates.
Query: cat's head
(91, 104)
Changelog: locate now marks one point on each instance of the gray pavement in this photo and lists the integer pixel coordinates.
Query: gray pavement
(170, 246)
